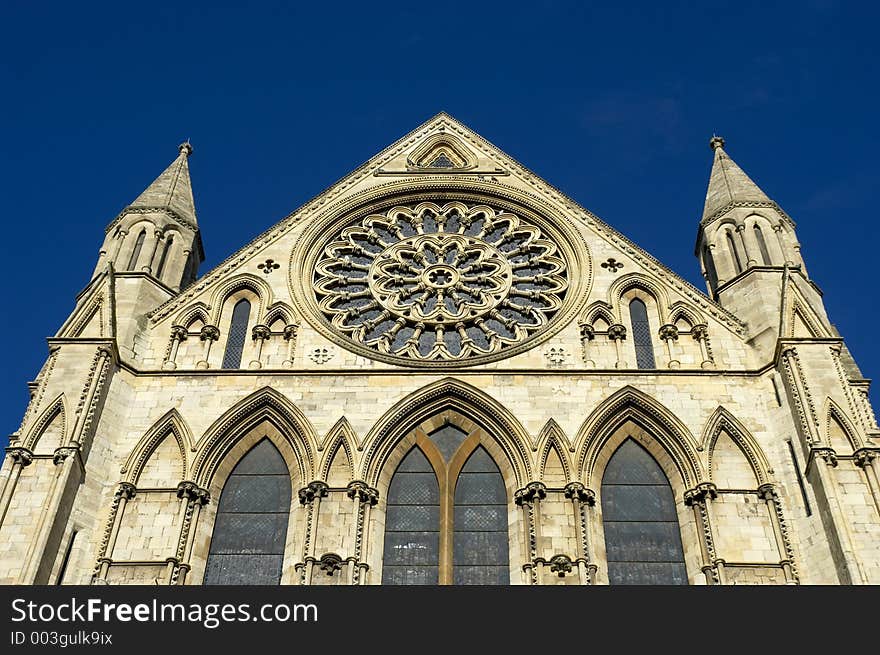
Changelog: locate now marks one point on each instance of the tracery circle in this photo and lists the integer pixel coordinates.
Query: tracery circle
(430, 283)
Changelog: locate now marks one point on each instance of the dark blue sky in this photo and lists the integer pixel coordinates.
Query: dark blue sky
(614, 106)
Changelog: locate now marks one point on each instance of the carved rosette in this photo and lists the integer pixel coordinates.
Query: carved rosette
(439, 283)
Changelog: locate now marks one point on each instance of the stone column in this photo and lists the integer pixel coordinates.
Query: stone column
(20, 457)
(587, 335)
(617, 333)
(786, 553)
(152, 263)
(290, 334)
(151, 246)
(777, 229)
(209, 335)
(124, 493)
(700, 333)
(866, 458)
(260, 334)
(529, 498)
(699, 499)
(310, 496)
(364, 497)
(582, 500)
(192, 499)
(117, 246)
(740, 229)
(669, 334)
(178, 334)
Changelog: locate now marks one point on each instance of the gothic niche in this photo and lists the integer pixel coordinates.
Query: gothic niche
(436, 283)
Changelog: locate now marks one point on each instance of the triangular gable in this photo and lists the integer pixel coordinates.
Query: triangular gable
(491, 164)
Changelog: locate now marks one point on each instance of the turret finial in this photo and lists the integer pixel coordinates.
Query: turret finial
(716, 142)
(185, 148)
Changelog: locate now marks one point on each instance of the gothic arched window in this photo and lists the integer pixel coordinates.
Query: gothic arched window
(734, 253)
(711, 271)
(445, 525)
(237, 334)
(642, 535)
(138, 245)
(762, 245)
(641, 331)
(164, 256)
(250, 530)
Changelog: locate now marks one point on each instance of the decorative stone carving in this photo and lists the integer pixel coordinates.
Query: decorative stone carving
(427, 283)
(531, 492)
(330, 563)
(560, 565)
(20, 455)
(260, 332)
(612, 265)
(316, 489)
(193, 492)
(575, 490)
(209, 332)
(268, 266)
(669, 332)
(363, 492)
(321, 355)
(126, 490)
(62, 454)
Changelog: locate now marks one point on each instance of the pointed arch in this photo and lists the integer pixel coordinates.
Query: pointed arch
(279, 311)
(681, 311)
(340, 437)
(54, 412)
(196, 312)
(460, 156)
(437, 397)
(266, 404)
(643, 283)
(803, 317)
(834, 414)
(170, 424)
(634, 406)
(252, 283)
(722, 420)
(599, 310)
(550, 439)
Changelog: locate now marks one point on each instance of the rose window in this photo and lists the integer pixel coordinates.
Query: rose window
(440, 283)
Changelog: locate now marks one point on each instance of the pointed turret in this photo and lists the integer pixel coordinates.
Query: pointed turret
(172, 190)
(158, 234)
(728, 183)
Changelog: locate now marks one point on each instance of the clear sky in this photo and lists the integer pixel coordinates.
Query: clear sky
(612, 104)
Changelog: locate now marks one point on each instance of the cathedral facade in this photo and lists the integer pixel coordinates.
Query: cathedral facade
(442, 370)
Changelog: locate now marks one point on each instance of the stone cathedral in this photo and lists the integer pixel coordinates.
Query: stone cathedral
(441, 370)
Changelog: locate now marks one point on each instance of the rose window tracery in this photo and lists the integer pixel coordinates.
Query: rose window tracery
(431, 282)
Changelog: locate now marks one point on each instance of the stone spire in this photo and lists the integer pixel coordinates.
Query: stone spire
(728, 183)
(172, 190)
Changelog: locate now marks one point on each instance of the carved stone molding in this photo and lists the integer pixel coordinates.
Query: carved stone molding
(700, 332)
(330, 563)
(577, 491)
(179, 332)
(533, 491)
(316, 489)
(669, 331)
(209, 332)
(260, 332)
(700, 493)
(363, 492)
(587, 332)
(126, 490)
(560, 565)
(864, 456)
(193, 492)
(63, 453)
(617, 332)
(20, 455)
(290, 331)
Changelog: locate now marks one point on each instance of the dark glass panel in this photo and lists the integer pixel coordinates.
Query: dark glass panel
(762, 245)
(480, 461)
(412, 548)
(448, 439)
(237, 334)
(164, 256)
(413, 489)
(410, 575)
(734, 252)
(481, 517)
(641, 330)
(711, 271)
(138, 244)
(481, 575)
(480, 489)
(413, 517)
(250, 530)
(485, 548)
(415, 460)
(631, 464)
(244, 570)
(642, 535)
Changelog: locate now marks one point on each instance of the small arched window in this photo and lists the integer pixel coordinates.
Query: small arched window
(711, 271)
(136, 253)
(237, 334)
(642, 534)
(641, 331)
(734, 253)
(161, 267)
(762, 245)
(250, 530)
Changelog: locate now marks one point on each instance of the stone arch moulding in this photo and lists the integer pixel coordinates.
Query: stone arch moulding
(445, 394)
(722, 419)
(341, 435)
(551, 436)
(170, 423)
(597, 310)
(681, 310)
(834, 411)
(644, 283)
(54, 409)
(197, 311)
(279, 310)
(631, 404)
(461, 157)
(267, 404)
(258, 287)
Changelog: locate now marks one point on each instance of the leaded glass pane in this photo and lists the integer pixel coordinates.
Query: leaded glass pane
(642, 535)
(480, 550)
(250, 531)
(448, 439)
(237, 334)
(412, 523)
(641, 330)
